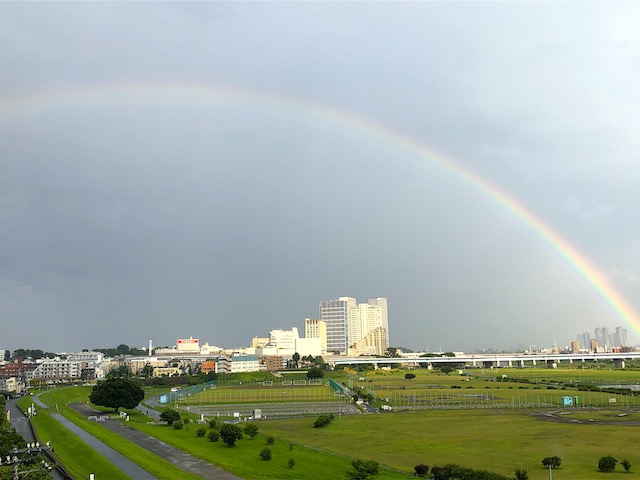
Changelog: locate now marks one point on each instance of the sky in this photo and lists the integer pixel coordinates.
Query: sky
(217, 170)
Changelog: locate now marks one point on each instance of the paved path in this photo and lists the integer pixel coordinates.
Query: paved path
(20, 422)
(174, 455)
(120, 461)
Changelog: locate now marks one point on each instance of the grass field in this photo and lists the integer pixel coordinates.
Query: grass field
(520, 388)
(58, 399)
(495, 439)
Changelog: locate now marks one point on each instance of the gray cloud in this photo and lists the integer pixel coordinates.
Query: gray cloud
(125, 217)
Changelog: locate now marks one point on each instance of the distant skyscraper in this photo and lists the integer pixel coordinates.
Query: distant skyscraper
(335, 313)
(602, 337)
(585, 340)
(620, 337)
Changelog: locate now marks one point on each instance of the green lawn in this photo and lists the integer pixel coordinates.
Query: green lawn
(76, 456)
(496, 440)
(243, 460)
(59, 398)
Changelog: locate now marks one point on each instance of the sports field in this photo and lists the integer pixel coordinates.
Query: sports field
(500, 429)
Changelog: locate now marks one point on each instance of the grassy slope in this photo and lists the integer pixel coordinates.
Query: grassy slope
(77, 457)
(145, 459)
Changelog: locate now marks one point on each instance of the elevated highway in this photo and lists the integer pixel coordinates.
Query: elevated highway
(495, 360)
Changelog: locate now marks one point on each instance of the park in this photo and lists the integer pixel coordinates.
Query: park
(498, 420)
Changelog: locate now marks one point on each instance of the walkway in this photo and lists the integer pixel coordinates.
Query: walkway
(120, 461)
(20, 423)
(179, 458)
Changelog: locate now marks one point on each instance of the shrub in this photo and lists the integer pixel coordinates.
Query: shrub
(626, 465)
(555, 462)
(230, 433)
(178, 424)
(521, 474)
(265, 454)
(291, 446)
(213, 436)
(291, 463)
(271, 440)
(322, 421)
(212, 423)
(421, 470)
(409, 376)
(201, 432)
(251, 429)
(169, 415)
(361, 470)
(607, 464)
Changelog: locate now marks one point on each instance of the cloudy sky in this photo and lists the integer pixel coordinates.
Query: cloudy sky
(217, 169)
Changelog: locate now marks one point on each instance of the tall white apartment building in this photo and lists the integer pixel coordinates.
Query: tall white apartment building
(364, 319)
(335, 314)
(384, 312)
(348, 323)
(314, 328)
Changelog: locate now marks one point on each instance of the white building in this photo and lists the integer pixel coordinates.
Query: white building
(314, 328)
(284, 339)
(238, 363)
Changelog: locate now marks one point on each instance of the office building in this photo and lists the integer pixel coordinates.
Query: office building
(335, 314)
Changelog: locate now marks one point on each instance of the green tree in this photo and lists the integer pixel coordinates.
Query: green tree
(122, 349)
(409, 376)
(213, 436)
(554, 462)
(201, 432)
(230, 434)
(322, 421)
(521, 474)
(120, 372)
(117, 393)
(361, 470)
(291, 463)
(607, 464)
(265, 454)
(421, 470)
(169, 415)
(251, 429)
(296, 359)
(446, 369)
(626, 465)
(315, 372)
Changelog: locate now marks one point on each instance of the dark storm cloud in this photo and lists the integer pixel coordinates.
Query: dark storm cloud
(123, 221)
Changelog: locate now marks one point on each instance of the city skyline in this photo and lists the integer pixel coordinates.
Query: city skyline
(220, 167)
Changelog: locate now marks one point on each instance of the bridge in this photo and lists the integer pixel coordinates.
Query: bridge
(491, 360)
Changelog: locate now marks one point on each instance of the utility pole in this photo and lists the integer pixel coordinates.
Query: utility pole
(18, 457)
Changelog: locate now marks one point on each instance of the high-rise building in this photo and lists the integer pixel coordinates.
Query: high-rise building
(384, 312)
(335, 314)
(602, 337)
(620, 337)
(584, 339)
(575, 346)
(314, 328)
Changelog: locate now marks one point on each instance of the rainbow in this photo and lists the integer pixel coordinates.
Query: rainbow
(185, 94)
